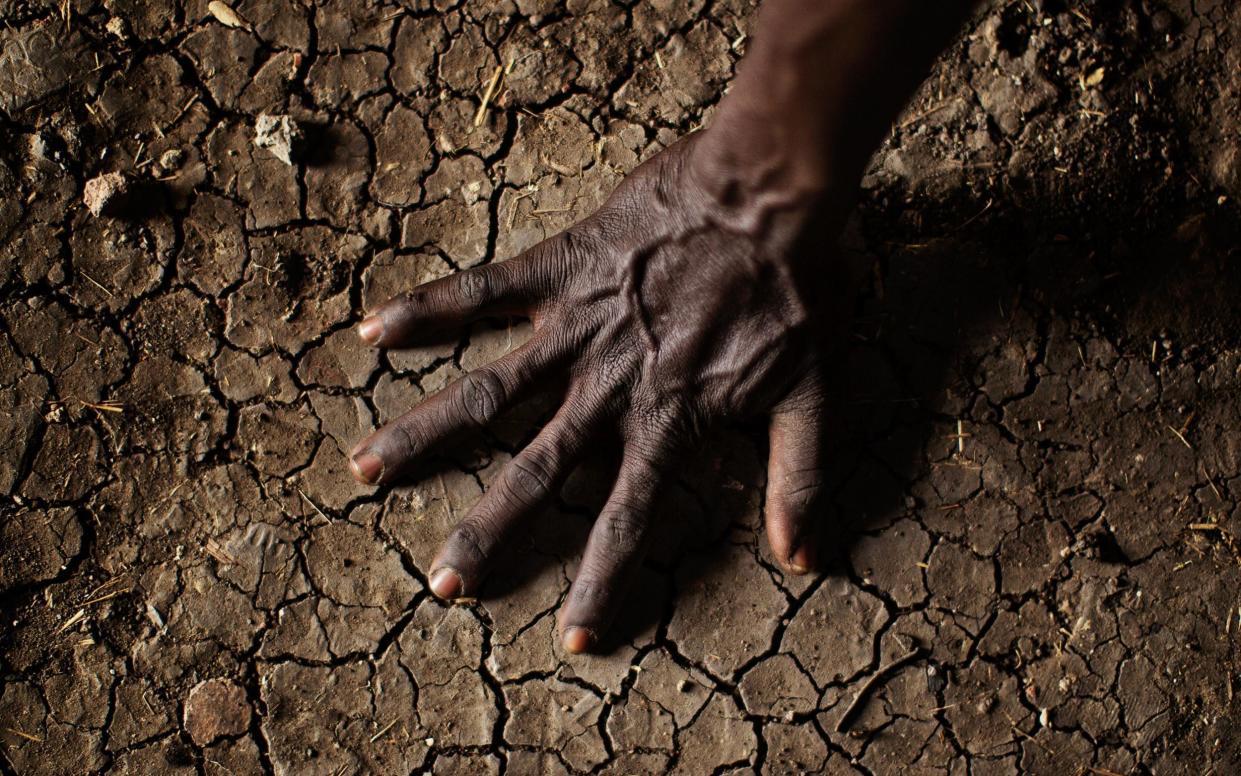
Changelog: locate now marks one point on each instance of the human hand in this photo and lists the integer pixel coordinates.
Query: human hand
(691, 296)
(702, 290)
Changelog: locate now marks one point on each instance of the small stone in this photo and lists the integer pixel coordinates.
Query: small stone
(280, 135)
(104, 191)
(216, 708)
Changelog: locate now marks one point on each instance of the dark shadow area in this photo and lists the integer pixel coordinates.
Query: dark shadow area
(940, 301)
(319, 145)
(950, 300)
(142, 200)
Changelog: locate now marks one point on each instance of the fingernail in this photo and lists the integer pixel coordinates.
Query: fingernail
(446, 583)
(802, 559)
(371, 329)
(367, 467)
(578, 640)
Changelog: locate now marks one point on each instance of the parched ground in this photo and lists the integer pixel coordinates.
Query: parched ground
(1036, 517)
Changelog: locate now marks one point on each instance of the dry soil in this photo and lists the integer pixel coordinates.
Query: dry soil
(1038, 490)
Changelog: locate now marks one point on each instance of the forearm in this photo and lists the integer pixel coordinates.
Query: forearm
(821, 84)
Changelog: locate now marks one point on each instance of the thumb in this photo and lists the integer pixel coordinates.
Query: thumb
(795, 477)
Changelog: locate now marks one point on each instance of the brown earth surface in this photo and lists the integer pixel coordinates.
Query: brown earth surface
(1038, 485)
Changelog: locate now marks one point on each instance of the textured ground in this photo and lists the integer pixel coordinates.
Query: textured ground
(1039, 469)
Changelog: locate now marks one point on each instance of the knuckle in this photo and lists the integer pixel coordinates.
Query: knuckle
(801, 488)
(470, 540)
(591, 594)
(407, 437)
(529, 479)
(481, 396)
(624, 528)
(476, 286)
(414, 302)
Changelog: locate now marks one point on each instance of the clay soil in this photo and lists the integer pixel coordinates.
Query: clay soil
(1037, 497)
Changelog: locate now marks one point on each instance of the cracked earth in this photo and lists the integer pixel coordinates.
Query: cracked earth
(1036, 523)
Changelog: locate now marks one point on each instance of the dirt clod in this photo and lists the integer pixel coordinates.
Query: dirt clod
(216, 708)
(280, 135)
(105, 192)
(171, 159)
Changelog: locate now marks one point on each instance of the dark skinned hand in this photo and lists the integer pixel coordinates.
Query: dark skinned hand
(668, 310)
(703, 290)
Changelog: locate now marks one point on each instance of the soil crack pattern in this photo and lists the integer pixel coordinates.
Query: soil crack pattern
(1034, 502)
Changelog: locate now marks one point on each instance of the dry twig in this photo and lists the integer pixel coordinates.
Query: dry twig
(869, 685)
(383, 731)
(487, 95)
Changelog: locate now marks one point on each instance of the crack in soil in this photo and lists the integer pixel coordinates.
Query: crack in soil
(1038, 463)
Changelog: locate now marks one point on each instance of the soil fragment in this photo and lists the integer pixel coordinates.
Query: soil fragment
(216, 708)
(279, 134)
(105, 192)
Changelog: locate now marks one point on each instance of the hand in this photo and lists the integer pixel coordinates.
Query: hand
(691, 296)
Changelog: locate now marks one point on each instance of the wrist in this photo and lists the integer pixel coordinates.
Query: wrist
(819, 88)
(760, 151)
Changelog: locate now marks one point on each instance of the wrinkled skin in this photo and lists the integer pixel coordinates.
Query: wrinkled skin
(685, 300)
(697, 293)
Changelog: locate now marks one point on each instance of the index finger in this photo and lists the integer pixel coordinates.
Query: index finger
(508, 287)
